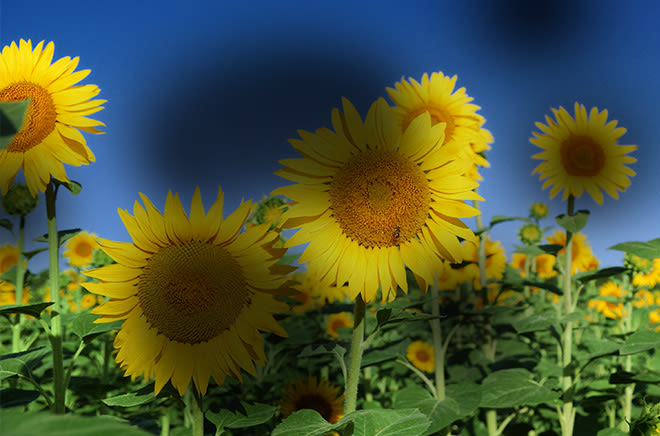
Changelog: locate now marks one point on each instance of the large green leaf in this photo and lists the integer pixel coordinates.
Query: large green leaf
(21, 363)
(384, 422)
(611, 432)
(255, 414)
(573, 223)
(33, 309)
(513, 387)
(17, 422)
(12, 114)
(536, 321)
(649, 249)
(131, 399)
(304, 422)
(641, 340)
(83, 326)
(62, 236)
(599, 274)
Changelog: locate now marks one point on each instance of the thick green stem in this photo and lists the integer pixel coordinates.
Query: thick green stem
(627, 363)
(197, 414)
(165, 423)
(16, 345)
(491, 422)
(350, 399)
(438, 349)
(59, 390)
(568, 411)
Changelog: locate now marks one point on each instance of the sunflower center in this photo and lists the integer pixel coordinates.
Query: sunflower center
(83, 249)
(437, 116)
(380, 198)
(422, 356)
(40, 116)
(192, 292)
(582, 156)
(315, 402)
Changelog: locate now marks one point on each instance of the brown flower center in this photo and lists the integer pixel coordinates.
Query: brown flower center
(192, 292)
(380, 198)
(83, 249)
(582, 156)
(40, 116)
(315, 402)
(422, 356)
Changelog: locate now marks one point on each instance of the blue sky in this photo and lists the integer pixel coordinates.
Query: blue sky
(209, 94)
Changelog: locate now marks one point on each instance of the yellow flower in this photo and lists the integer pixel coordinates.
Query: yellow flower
(371, 200)
(310, 283)
(582, 258)
(643, 298)
(337, 321)
(608, 308)
(654, 318)
(650, 278)
(315, 395)
(581, 154)
(9, 296)
(495, 262)
(436, 95)
(8, 258)
(79, 250)
(50, 135)
(421, 354)
(87, 301)
(192, 291)
(545, 264)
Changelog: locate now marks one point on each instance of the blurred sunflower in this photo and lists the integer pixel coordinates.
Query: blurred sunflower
(436, 95)
(582, 258)
(193, 292)
(646, 271)
(609, 309)
(315, 395)
(9, 296)
(337, 321)
(50, 135)
(643, 298)
(371, 200)
(79, 250)
(545, 264)
(581, 154)
(420, 354)
(495, 262)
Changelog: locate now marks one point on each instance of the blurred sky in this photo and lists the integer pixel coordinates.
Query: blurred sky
(209, 93)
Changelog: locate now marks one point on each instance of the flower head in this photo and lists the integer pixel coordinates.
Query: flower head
(58, 110)
(371, 200)
(538, 210)
(530, 234)
(337, 321)
(608, 308)
(79, 250)
(313, 394)
(581, 154)
(421, 354)
(193, 291)
(582, 258)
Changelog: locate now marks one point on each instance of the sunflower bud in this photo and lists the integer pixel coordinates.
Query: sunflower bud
(538, 210)
(18, 201)
(639, 265)
(530, 234)
(648, 423)
(269, 210)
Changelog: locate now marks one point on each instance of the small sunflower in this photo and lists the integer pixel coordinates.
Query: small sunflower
(582, 258)
(313, 394)
(530, 234)
(420, 354)
(371, 200)
(643, 298)
(337, 321)
(436, 95)
(608, 308)
(495, 262)
(581, 154)
(538, 210)
(79, 250)
(50, 135)
(193, 292)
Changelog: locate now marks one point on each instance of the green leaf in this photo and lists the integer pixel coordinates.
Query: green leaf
(255, 414)
(536, 321)
(12, 397)
(21, 363)
(649, 249)
(502, 219)
(383, 315)
(388, 422)
(12, 114)
(33, 309)
(83, 326)
(461, 400)
(17, 422)
(536, 250)
(513, 387)
(304, 422)
(624, 378)
(641, 340)
(138, 398)
(611, 432)
(72, 186)
(573, 223)
(9, 275)
(6, 224)
(588, 276)
(30, 254)
(62, 236)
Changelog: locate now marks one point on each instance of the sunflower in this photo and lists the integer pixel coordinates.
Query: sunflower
(538, 210)
(371, 200)
(581, 154)
(8, 258)
(608, 308)
(420, 354)
(582, 258)
(436, 95)
(647, 271)
(530, 234)
(545, 264)
(495, 262)
(79, 250)
(192, 291)
(9, 296)
(50, 135)
(313, 394)
(337, 321)
(644, 298)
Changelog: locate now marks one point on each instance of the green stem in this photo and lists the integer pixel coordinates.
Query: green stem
(16, 345)
(165, 423)
(491, 422)
(197, 414)
(568, 413)
(438, 349)
(627, 364)
(350, 399)
(59, 389)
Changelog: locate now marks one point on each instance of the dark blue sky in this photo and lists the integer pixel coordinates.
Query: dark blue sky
(209, 94)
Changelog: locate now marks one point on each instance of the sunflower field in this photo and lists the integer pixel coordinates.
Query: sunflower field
(364, 296)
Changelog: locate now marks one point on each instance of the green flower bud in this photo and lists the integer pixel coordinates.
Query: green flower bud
(18, 201)
(637, 264)
(538, 210)
(530, 234)
(269, 210)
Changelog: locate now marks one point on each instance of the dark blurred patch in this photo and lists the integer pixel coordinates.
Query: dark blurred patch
(527, 27)
(227, 116)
